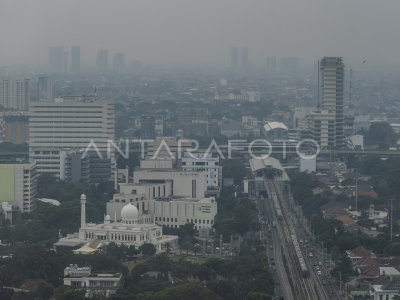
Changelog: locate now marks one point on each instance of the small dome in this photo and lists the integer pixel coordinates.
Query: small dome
(129, 212)
(108, 218)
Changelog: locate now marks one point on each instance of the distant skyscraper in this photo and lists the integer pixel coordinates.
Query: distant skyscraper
(244, 58)
(102, 61)
(332, 90)
(271, 65)
(327, 123)
(75, 59)
(45, 88)
(15, 94)
(119, 63)
(56, 59)
(66, 60)
(234, 57)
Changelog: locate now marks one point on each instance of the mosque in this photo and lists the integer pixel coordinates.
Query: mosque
(133, 229)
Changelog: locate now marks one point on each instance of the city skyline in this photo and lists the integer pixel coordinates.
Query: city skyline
(154, 33)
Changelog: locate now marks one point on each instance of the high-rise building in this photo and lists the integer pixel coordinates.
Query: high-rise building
(244, 58)
(15, 94)
(18, 186)
(75, 59)
(271, 65)
(56, 59)
(234, 57)
(45, 88)
(119, 63)
(240, 58)
(70, 124)
(332, 91)
(322, 126)
(66, 61)
(102, 61)
(327, 123)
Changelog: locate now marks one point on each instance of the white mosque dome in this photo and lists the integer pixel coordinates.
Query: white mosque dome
(108, 218)
(129, 212)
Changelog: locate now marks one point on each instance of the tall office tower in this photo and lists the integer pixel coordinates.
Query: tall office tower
(75, 59)
(15, 94)
(66, 61)
(67, 124)
(119, 63)
(45, 88)
(271, 65)
(289, 65)
(331, 91)
(234, 57)
(56, 59)
(244, 58)
(102, 61)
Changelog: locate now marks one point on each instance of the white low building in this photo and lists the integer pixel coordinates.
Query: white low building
(204, 163)
(175, 212)
(155, 200)
(183, 183)
(139, 194)
(101, 284)
(386, 291)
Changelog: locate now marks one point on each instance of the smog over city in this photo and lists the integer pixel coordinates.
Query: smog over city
(198, 149)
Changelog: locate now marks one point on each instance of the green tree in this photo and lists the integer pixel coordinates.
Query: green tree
(393, 249)
(44, 291)
(233, 168)
(186, 236)
(148, 249)
(380, 133)
(66, 293)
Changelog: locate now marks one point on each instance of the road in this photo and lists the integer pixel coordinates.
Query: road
(291, 281)
(274, 251)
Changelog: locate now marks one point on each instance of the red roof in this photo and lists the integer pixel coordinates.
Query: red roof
(361, 251)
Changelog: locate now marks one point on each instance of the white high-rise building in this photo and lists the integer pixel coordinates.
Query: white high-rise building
(69, 123)
(328, 121)
(15, 94)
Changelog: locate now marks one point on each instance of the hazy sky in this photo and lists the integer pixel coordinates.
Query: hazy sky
(201, 31)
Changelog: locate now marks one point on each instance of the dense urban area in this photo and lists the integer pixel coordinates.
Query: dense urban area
(124, 179)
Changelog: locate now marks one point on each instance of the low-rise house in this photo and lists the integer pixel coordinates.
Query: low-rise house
(386, 291)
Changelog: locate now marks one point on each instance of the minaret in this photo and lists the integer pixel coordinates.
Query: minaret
(83, 210)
